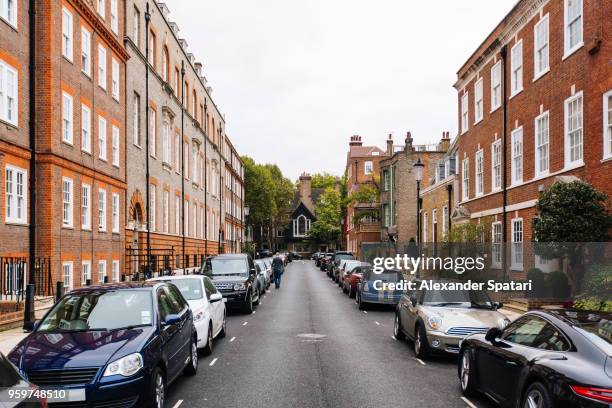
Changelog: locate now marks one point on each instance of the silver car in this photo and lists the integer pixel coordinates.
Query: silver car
(438, 320)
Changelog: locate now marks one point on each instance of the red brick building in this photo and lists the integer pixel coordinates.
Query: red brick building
(535, 102)
(234, 199)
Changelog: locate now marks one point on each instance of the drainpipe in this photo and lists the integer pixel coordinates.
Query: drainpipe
(183, 164)
(32, 125)
(449, 190)
(221, 187)
(504, 52)
(205, 179)
(148, 175)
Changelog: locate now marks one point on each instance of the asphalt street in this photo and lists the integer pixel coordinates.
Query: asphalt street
(308, 345)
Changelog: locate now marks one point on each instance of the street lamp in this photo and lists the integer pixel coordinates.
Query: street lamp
(418, 176)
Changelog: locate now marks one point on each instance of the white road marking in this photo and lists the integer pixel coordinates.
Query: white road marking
(467, 401)
(212, 363)
(378, 324)
(178, 404)
(232, 339)
(420, 361)
(245, 323)
(254, 311)
(393, 337)
(365, 312)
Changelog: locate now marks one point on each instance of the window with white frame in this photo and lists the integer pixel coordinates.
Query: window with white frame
(517, 244)
(186, 212)
(425, 227)
(194, 220)
(177, 215)
(607, 125)
(16, 189)
(9, 80)
(67, 276)
(480, 172)
(516, 68)
(114, 10)
(195, 164)
(102, 210)
(67, 33)
(496, 247)
(152, 207)
(85, 206)
(166, 142)
(67, 202)
(102, 66)
(136, 120)
(165, 204)
(101, 271)
(573, 130)
(465, 178)
(444, 221)
(496, 86)
(540, 51)
(186, 158)
(67, 118)
(8, 11)
(464, 113)
(153, 132)
(101, 8)
(136, 27)
(152, 49)
(516, 166)
(116, 270)
(115, 146)
(572, 12)
(177, 153)
(115, 212)
(368, 167)
(478, 101)
(85, 272)
(102, 137)
(541, 144)
(85, 128)
(115, 79)
(496, 165)
(301, 226)
(85, 51)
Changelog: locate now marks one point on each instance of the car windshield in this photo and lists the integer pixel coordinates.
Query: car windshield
(458, 298)
(388, 276)
(228, 267)
(102, 310)
(344, 256)
(191, 289)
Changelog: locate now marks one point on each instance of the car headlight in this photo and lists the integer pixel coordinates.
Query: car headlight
(239, 286)
(198, 316)
(434, 322)
(502, 323)
(126, 366)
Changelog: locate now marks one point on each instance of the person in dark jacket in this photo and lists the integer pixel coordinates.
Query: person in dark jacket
(278, 269)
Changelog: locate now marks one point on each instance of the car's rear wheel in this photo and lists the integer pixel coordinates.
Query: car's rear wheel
(258, 297)
(397, 328)
(467, 372)
(157, 389)
(248, 306)
(421, 346)
(192, 366)
(223, 331)
(537, 396)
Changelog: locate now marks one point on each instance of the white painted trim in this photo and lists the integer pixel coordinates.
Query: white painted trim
(509, 208)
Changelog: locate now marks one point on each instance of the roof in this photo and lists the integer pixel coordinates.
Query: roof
(230, 256)
(297, 200)
(364, 151)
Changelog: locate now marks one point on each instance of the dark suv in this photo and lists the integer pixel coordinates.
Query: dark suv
(332, 267)
(235, 276)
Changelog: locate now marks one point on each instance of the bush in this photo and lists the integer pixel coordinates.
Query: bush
(538, 283)
(558, 285)
(594, 304)
(598, 281)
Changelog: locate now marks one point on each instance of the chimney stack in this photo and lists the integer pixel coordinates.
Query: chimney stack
(408, 141)
(445, 141)
(306, 189)
(390, 145)
(355, 141)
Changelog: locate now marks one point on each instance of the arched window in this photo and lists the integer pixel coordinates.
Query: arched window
(165, 64)
(301, 226)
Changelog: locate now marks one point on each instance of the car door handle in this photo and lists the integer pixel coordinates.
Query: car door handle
(511, 363)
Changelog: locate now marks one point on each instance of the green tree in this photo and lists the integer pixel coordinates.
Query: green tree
(570, 215)
(327, 227)
(324, 180)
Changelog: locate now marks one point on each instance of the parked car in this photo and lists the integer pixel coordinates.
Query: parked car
(267, 270)
(438, 320)
(10, 381)
(544, 359)
(345, 266)
(324, 262)
(352, 279)
(294, 256)
(320, 258)
(368, 294)
(235, 276)
(336, 258)
(314, 256)
(206, 304)
(112, 345)
(262, 278)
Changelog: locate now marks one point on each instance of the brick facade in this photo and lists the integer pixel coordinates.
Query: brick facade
(234, 196)
(560, 74)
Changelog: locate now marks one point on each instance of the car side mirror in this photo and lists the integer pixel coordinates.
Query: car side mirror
(498, 305)
(413, 300)
(30, 326)
(253, 271)
(172, 319)
(492, 334)
(215, 297)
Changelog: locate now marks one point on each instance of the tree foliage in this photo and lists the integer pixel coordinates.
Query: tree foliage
(327, 226)
(324, 180)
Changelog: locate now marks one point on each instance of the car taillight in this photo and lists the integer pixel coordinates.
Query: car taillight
(598, 394)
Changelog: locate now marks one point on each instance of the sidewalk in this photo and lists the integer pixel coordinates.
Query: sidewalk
(9, 339)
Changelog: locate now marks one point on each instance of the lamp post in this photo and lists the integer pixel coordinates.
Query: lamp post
(418, 176)
(147, 152)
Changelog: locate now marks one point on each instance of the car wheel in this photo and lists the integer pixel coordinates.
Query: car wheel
(421, 346)
(223, 331)
(258, 297)
(192, 366)
(536, 397)
(248, 307)
(361, 303)
(397, 328)
(157, 389)
(208, 348)
(466, 372)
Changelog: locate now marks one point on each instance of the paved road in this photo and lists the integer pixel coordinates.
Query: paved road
(263, 362)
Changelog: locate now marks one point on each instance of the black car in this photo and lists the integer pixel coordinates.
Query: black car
(544, 359)
(11, 381)
(116, 345)
(235, 276)
(294, 256)
(335, 262)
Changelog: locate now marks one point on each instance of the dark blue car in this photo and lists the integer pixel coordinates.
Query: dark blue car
(112, 345)
(371, 290)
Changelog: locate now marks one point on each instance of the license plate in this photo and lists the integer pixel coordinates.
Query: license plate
(68, 395)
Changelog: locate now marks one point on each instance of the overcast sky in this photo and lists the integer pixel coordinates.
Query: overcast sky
(295, 79)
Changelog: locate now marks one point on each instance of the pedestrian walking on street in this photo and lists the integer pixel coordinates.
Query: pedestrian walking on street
(278, 268)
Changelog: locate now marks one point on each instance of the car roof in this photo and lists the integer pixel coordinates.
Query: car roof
(173, 277)
(149, 285)
(230, 256)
